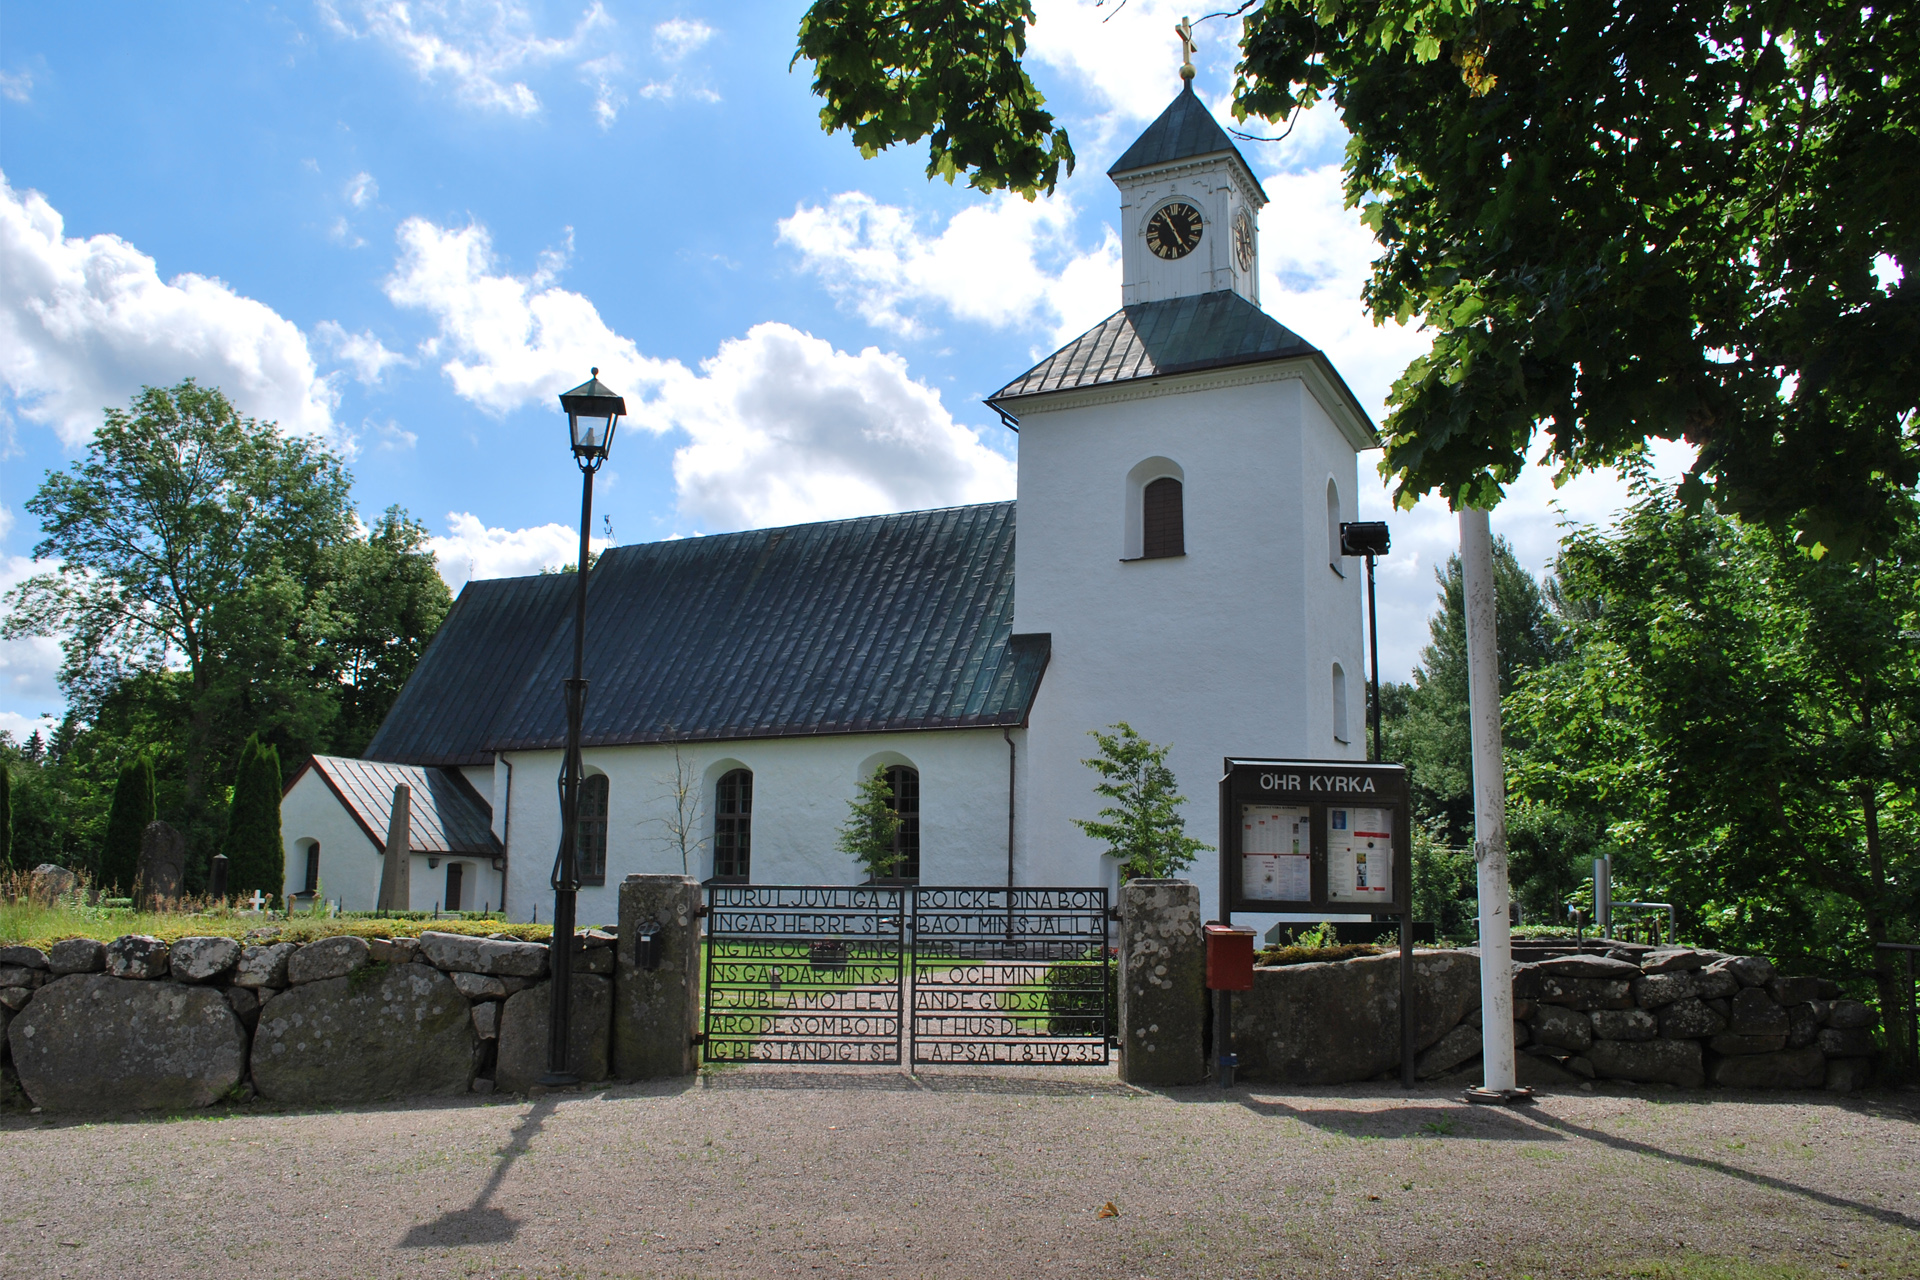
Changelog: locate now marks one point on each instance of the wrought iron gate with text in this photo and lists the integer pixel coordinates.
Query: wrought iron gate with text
(841, 974)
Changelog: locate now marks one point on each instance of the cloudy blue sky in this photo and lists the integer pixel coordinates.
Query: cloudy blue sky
(404, 227)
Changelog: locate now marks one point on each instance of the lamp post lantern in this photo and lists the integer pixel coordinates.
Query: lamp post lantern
(1369, 538)
(593, 411)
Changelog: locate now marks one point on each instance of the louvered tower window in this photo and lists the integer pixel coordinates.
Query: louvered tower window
(733, 826)
(1163, 531)
(590, 850)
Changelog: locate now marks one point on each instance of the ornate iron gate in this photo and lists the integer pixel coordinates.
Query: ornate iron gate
(799, 973)
(1010, 976)
(836, 974)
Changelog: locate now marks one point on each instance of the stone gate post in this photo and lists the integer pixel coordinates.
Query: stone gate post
(656, 998)
(1163, 997)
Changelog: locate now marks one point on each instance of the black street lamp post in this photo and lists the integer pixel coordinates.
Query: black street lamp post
(1369, 538)
(593, 412)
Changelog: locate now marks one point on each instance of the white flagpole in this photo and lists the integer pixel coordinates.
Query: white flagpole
(1489, 803)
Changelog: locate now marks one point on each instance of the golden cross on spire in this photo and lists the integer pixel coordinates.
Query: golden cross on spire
(1184, 29)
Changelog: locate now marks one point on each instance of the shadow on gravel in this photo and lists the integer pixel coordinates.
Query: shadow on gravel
(1411, 1122)
(479, 1222)
(1890, 1217)
(901, 1082)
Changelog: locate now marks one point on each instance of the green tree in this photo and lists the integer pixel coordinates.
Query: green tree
(191, 538)
(871, 832)
(6, 816)
(1744, 718)
(1627, 220)
(1425, 725)
(255, 856)
(1143, 829)
(133, 808)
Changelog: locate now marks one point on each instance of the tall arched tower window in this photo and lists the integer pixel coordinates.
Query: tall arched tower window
(1163, 531)
(590, 849)
(733, 826)
(1334, 559)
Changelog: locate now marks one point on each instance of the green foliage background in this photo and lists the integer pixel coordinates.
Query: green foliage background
(132, 810)
(255, 858)
(872, 824)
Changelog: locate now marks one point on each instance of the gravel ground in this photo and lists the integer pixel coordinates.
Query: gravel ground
(752, 1172)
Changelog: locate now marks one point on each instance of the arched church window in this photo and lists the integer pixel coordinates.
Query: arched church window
(313, 869)
(1163, 522)
(1339, 703)
(733, 826)
(590, 848)
(1334, 559)
(905, 782)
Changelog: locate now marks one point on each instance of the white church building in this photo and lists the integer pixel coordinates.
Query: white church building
(1183, 470)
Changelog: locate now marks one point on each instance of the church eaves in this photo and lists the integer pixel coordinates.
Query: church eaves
(847, 626)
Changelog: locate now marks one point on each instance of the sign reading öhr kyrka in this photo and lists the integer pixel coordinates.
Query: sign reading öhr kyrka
(1314, 835)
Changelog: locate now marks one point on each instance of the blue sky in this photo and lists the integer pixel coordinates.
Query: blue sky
(405, 227)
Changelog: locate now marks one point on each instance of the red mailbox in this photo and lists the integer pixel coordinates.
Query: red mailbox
(1229, 958)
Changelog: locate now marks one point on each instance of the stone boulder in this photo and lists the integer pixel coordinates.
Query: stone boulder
(1624, 1024)
(1340, 1022)
(14, 999)
(1715, 982)
(1788, 1069)
(523, 1033)
(264, 965)
(1755, 1014)
(91, 1042)
(1584, 994)
(1562, 1028)
(1650, 1061)
(137, 955)
(1656, 991)
(371, 1035)
(1585, 966)
(393, 950)
(1749, 971)
(1731, 1044)
(1535, 1070)
(23, 956)
(1791, 991)
(12, 975)
(1690, 1019)
(1845, 1042)
(1458, 1046)
(1846, 1014)
(327, 958)
(458, 953)
(1679, 960)
(1803, 1024)
(48, 882)
(1844, 1075)
(77, 955)
(203, 959)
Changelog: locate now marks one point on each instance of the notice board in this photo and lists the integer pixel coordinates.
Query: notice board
(1315, 836)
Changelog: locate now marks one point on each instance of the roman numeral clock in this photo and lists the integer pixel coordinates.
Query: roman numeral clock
(1174, 230)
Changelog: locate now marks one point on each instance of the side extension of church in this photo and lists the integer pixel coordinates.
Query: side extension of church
(1183, 469)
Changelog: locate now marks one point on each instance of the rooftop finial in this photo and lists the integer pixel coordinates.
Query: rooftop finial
(1184, 29)
(595, 371)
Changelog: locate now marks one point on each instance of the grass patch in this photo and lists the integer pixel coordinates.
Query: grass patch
(41, 925)
(1272, 957)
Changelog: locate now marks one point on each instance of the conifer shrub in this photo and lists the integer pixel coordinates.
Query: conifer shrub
(255, 858)
(127, 818)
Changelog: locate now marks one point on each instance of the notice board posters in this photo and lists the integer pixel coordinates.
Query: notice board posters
(1314, 835)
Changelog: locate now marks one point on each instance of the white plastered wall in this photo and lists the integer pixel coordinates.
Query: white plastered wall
(801, 787)
(350, 863)
(1220, 191)
(1227, 650)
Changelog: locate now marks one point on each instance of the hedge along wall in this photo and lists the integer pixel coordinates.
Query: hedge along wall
(1669, 1016)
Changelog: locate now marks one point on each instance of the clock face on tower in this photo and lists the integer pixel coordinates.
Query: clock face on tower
(1173, 230)
(1243, 241)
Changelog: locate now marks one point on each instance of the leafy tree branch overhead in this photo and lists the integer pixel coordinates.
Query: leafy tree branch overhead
(1620, 221)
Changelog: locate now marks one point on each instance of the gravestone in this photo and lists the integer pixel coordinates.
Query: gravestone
(163, 863)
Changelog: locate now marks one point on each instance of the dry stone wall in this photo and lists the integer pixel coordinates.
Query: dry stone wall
(137, 1023)
(1646, 1015)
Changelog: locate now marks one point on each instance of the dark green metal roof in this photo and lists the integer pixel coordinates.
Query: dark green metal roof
(1184, 130)
(1153, 339)
(849, 626)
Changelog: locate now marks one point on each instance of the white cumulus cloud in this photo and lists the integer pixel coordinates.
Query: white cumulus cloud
(365, 354)
(484, 48)
(471, 549)
(16, 86)
(1005, 263)
(361, 190)
(781, 426)
(675, 38)
(30, 696)
(84, 323)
